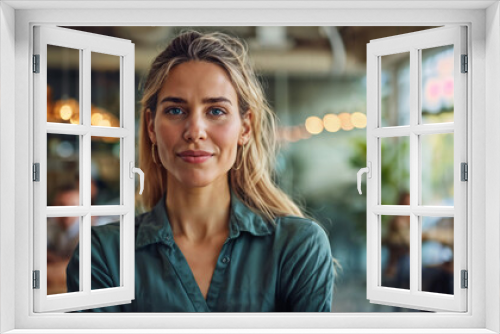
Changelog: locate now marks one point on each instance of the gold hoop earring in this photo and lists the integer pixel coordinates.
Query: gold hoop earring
(153, 153)
(242, 157)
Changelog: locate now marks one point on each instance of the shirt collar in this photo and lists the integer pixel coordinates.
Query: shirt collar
(155, 227)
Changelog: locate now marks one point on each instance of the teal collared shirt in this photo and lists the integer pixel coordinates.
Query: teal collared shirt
(286, 267)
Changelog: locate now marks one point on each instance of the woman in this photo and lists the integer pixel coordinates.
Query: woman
(220, 236)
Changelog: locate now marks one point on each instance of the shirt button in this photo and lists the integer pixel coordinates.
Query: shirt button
(167, 237)
(225, 259)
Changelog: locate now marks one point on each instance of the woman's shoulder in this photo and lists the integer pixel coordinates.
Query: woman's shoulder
(106, 234)
(294, 224)
(299, 229)
(112, 229)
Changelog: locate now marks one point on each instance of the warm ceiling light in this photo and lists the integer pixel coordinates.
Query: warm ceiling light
(74, 120)
(314, 125)
(104, 122)
(332, 123)
(96, 118)
(358, 120)
(66, 112)
(345, 121)
(63, 110)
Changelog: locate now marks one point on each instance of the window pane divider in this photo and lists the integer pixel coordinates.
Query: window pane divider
(94, 210)
(434, 211)
(102, 131)
(85, 168)
(424, 129)
(73, 129)
(392, 131)
(406, 210)
(66, 211)
(415, 168)
(66, 129)
(392, 210)
(109, 210)
(431, 129)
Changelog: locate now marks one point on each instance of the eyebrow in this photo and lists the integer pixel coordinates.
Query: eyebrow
(206, 100)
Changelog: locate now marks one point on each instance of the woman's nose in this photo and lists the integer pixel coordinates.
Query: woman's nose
(195, 128)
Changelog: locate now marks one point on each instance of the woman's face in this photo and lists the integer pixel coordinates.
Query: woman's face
(197, 127)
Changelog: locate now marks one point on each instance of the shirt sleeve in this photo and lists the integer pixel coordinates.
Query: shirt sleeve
(307, 275)
(101, 277)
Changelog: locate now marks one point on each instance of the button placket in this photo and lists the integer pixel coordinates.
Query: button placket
(186, 277)
(218, 277)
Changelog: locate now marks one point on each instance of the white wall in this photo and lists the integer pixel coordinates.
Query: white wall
(7, 159)
(492, 163)
(183, 17)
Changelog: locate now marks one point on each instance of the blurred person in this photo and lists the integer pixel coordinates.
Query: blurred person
(220, 236)
(397, 241)
(62, 238)
(437, 241)
(437, 257)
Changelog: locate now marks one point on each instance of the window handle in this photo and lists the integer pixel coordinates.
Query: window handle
(133, 170)
(367, 170)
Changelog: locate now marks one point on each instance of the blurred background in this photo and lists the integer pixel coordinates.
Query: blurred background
(315, 80)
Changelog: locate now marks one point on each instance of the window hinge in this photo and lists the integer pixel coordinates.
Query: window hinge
(36, 279)
(36, 172)
(36, 63)
(464, 172)
(465, 64)
(465, 279)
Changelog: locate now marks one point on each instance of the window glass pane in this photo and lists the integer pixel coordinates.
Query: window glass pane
(437, 84)
(105, 83)
(395, 170)
(437, 169)
(110, 261)
(395, 89)
(437, 254)
(105, 171)
(63, 85)
(63, 235)
(63, 170)
(395, 241)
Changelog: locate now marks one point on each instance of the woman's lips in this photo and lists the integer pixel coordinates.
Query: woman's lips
(195, 160)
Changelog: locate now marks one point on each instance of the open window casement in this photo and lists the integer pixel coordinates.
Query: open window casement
(80, 126)
(417, 170)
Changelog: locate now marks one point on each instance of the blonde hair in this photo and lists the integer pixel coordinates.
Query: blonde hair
(252, 182)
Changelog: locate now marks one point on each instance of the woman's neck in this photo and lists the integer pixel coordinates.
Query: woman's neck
(198, 214)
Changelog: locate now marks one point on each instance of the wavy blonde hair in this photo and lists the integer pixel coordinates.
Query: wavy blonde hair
(252, 182)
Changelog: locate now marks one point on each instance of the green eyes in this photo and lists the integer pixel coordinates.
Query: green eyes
(178, 111)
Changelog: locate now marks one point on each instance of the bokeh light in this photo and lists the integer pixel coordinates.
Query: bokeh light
(332, 123)
(345, 121)
(104, 122)
(66, 112)
(314, 125)
(358, 120)
(96, 118)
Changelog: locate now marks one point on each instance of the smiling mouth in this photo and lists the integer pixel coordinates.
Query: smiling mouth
(195, 159)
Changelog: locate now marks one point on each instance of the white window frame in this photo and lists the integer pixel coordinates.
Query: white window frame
(85, 44)
(413, 44)
(483, 21)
